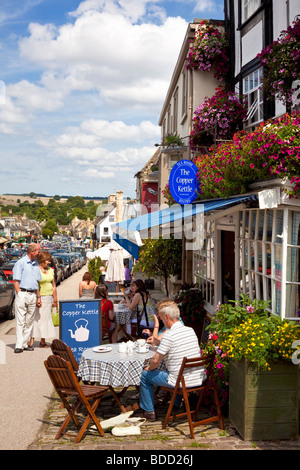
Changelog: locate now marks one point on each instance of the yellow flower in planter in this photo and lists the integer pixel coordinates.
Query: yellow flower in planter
(255, 335)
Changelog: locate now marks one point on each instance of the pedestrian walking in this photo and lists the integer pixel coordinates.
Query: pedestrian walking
(26, 277)
(43, 325)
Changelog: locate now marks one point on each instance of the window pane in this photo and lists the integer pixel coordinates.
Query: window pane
(261, 225)
(296, 227)
(278, 265)
(253, 224)
(256, 82)
(279, 227)
(292, 301)
(269, 225)
(293, 265)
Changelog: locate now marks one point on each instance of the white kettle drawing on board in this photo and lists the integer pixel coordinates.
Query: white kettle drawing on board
(81, 334)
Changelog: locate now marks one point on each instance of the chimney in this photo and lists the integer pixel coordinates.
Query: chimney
(120, 206)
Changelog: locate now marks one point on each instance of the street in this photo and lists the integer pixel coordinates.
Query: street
(25, 386)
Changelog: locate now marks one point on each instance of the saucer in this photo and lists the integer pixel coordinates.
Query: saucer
(144, 351)
(102, 349)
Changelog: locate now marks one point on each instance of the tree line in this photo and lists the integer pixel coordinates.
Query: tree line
(61, 213)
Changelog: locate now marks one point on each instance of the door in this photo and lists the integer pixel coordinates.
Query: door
(227, 265)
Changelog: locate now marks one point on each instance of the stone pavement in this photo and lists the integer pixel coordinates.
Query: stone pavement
(175, 438)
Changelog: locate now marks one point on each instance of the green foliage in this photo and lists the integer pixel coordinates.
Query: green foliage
(49, 228)
(93, 268)
(160, 258)
(246, 330)
(271, 150)
(190, 303)
(61, 212)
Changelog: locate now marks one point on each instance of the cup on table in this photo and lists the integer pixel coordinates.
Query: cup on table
(122, 347)
(141, 345)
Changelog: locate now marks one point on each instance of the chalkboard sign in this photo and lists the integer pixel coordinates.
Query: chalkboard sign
(80, 324)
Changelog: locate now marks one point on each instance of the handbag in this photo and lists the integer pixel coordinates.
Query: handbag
(130, 427)
(121, 425)
(144, 311)
(55, 316)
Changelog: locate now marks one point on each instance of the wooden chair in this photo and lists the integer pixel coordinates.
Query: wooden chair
(181, 389)
(61, 349)
(66, 384)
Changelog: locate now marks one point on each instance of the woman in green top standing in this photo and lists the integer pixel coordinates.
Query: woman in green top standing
(43, 325)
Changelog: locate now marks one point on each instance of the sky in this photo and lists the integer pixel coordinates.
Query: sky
(82, 85)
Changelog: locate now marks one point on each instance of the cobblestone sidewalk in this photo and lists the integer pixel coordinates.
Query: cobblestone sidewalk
(153, 437)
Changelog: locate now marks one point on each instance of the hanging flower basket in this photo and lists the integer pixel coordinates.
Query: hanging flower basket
(272, 150)
(281, 64)
(218, 116)
(209, 50)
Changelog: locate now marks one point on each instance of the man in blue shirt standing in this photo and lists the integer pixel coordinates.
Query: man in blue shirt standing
(26, 277)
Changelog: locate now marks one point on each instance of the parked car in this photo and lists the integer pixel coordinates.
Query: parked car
(58, 270)
(7, 297)
(76, 261)
(69, 261)
(15, 254)
(81, 260)
(8, 267)
(63, 264)
(3, 258)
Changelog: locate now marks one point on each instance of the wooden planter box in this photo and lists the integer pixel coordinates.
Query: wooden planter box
(264, 405)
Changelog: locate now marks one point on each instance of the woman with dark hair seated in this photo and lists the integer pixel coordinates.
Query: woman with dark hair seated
(107, 309)
(142, 301)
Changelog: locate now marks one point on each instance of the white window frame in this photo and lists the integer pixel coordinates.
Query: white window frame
(249, 8)
(258, 275)
(267, 259)
(253, 95)
(204, 269)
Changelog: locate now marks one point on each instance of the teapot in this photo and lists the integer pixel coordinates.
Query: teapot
(81, 334)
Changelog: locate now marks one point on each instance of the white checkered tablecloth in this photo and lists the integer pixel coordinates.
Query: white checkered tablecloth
(122, 314)
(112, 368)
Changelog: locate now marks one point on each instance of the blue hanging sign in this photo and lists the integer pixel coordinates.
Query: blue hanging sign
(183, 182)
(80, 324)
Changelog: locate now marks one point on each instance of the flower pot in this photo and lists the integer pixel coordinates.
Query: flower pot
(264, 405)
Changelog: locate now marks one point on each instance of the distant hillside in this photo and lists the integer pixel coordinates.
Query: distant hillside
(11, 199)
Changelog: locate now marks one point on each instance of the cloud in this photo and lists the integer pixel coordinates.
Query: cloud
(105, 51)
(204, 6)
(32, 96)
(118, 130)
(11, 116)
(95, 88)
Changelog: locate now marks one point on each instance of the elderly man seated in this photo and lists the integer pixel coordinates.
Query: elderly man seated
(179, 341)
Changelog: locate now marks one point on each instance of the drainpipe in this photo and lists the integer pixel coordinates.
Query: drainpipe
(191, 104)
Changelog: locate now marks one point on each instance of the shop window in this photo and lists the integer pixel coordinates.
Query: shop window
(260, 269)
(293, 265)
